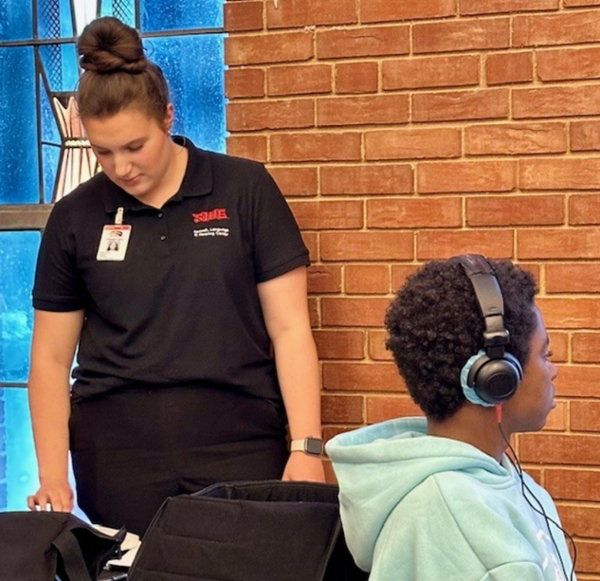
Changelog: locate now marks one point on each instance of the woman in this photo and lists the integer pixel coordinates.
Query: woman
(191, 337)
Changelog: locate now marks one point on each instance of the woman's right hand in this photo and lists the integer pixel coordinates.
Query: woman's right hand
(57, 496)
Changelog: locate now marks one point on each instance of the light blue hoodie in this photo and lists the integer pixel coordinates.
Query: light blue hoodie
(424, 508)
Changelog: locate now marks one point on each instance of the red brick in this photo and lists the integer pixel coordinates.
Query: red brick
(554, 29)
(363, 110)
(559, 174)
(585, 135)
(243, 16)
(340, 344)
(556, 102)
(414, 213)
(367, 279)
(584, 415)
(586, 349)
(362, 377)
(377, 350)
(573, 277)
(571, 484)
(442, 244)
(436, 71)
(324, 278)
(314, 313)
(515, 139)
(499, 6)
(584, 209)
(241, 83)
(463, 34)
(384, 10)
(315, 147)
(578, 381)
(463, 177)
(353, 312)
(299, 79)
(559, 449)
(250, 146)
(459, 105)
(570, 313)
(568, 64)
(342, 409)
(512, 67)
(515, 210)
(559, 345)
(360, 77)
(311, 239)
(363, 42)
(581, 521)
(334, 215)
(400, 272)
(380, 409)
(295, 181)
(578, 3)
(556, 243)
(299, 13)
(288, 114)
(412, 143)
(557, 418)
(366, 179)
(367, 246)
(269, 48)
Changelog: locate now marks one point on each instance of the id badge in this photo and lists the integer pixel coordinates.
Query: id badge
(113, 243)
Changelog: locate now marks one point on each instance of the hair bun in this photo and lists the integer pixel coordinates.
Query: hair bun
(106, 45)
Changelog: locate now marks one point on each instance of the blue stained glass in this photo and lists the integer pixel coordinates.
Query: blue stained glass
(16, 20)
(55, 19)
(124, 10)
(193, 66)
(60, 66)
(20, 467)
(18, 254)
(183, 14)
(18, 127)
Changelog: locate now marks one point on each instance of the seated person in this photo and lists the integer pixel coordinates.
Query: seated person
(437, 498)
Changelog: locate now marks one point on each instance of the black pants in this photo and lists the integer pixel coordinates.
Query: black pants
(134, 448)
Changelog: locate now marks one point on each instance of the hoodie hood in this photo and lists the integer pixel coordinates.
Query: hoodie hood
(377, 466)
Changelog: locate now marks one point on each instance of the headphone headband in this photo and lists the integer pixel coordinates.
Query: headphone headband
(491, 376)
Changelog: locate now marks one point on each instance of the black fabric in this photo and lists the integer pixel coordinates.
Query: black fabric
(132, 449)
(183, 305)
(259, 531)
(42, 546)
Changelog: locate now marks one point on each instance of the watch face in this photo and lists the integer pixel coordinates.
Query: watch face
(313, 446)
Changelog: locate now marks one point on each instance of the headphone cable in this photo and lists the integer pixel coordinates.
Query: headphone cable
(514, 460)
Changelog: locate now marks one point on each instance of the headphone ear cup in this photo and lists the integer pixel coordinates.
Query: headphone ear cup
(495, 380)
(488, 382)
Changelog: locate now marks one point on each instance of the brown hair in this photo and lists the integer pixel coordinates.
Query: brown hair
(117, 73)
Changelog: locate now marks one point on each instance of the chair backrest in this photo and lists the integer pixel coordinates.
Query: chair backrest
(248, 531)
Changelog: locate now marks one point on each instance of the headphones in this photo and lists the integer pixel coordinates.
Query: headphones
(491, 376)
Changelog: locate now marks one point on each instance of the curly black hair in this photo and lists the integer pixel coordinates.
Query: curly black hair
(435, 325)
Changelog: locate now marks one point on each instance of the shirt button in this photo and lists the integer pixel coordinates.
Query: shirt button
(163, 237)
(160, 214)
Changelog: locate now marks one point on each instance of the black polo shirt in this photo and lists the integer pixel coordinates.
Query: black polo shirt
(182, 307)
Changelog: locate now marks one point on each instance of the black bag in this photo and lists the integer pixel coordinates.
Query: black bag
(248, 531)
(44, 546)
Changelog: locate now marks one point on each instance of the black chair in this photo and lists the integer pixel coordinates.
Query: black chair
(248, 531)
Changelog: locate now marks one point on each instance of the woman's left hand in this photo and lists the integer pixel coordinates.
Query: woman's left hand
(301, 466)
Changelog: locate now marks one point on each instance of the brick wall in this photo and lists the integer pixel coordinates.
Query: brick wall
(405, 130)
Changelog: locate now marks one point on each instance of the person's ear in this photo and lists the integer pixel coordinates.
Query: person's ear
(169, 118)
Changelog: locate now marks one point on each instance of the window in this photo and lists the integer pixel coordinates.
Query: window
(45, 156)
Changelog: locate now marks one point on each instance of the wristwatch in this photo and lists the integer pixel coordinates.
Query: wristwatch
(312, 446)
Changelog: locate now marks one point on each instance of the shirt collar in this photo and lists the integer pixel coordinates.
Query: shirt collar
(197, 181)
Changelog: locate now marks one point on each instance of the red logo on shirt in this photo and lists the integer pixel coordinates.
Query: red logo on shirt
(216, 214)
